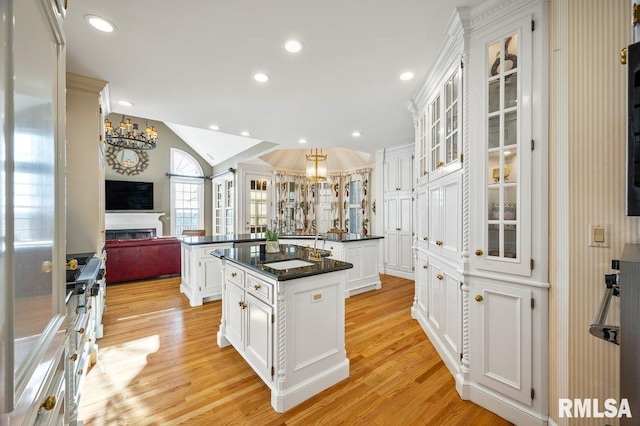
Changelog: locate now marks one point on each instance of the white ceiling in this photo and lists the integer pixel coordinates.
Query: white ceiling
(190, 64)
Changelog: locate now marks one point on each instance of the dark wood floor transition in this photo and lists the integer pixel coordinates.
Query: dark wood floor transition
(159, 364)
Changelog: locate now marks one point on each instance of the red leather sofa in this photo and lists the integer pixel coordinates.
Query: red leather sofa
(139, 259)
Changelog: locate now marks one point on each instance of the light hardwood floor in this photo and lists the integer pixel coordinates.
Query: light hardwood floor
(159, 364)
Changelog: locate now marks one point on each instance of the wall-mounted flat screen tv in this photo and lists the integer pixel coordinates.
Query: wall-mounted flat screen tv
(123, 195)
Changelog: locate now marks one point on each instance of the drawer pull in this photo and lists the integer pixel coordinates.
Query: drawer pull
(242, 305)
(73, 357)
(479, 298)
(256, 287)
(49, 403)
(233, 274)
(81, 331)
(440, 276)
(438, 243)
(479, 252)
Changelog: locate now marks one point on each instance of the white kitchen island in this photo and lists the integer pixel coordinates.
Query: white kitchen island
(285, 314)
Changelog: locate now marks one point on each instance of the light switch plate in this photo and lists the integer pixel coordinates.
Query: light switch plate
(599, 235)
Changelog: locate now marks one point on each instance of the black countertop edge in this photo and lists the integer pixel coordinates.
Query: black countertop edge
(245, 238)
(255, 258)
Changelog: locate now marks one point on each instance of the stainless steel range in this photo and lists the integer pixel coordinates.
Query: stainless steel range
(85, 300)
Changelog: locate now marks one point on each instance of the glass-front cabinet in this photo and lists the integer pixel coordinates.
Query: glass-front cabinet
(223, 202)
(438, 131)
(503, 243)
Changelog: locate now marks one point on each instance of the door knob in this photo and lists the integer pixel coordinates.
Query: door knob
(438, 243)
(479, 298)
(49, 403)
(440, 276)
(479, 252)
(424, 266)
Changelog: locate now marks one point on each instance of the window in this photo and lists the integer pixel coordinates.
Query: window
(355, 206)
(187, 193)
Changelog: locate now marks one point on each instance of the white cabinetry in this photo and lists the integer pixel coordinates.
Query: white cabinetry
(273, 325)
(363, 255)
(398, 233)
(201, 278)
(485, 256)
(398, 171)
(85, 164)
(508, 288)
(445, 217)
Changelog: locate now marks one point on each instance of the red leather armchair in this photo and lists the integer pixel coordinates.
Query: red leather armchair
(139, 259)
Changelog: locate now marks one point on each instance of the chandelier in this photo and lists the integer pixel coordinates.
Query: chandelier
(316, 166)
(128, 136)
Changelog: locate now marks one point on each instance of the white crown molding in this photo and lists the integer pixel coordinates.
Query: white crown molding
(451, 51)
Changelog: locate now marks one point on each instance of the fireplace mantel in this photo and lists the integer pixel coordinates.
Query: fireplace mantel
(130, 220)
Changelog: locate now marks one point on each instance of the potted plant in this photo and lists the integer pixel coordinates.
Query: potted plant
(272, 241)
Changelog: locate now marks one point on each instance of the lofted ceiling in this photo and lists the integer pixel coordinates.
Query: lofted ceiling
(190, 64)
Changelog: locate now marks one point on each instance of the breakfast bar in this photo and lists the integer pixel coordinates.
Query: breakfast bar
(284, 313)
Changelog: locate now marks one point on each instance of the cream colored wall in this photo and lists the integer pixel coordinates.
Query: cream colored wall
(159, 166)
(586, 38)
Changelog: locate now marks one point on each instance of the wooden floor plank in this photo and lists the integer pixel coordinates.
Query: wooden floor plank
(159, 364)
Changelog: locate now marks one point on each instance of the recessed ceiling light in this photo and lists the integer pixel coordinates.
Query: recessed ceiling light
(356, 134)
(245, 133)
(214, 127)
(125, 103)
(261, 77)
(302, 141)
(293, 46)
(100, 23)
(405, 76)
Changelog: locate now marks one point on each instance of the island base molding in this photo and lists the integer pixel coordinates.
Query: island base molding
(282, 401)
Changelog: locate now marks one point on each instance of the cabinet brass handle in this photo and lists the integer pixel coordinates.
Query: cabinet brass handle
(479, 252)
(479, 298)
(439, 164)
(425, 238)
(424, 173)
(233, 274)
(242, 304)
(81, 330)
(438, 243)
(73, 357)
(256, 287)
(424, 266)
(80, 372)
(49, 403)
(47, 266)
(440, 276)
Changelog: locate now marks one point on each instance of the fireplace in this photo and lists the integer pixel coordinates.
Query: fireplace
(129, 234)
(126, 226)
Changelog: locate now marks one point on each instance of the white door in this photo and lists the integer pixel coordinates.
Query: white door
(259, 337)
(257, 203)
(500, 333)
(234, 306)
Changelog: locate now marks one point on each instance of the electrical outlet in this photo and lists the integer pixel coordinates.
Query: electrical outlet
(599, 236)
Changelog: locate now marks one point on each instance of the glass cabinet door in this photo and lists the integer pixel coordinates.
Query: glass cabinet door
(435, 135)
(502, 148)
(422, 147)
(506, 184)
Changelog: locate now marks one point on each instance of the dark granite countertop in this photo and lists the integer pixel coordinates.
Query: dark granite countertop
(255, 258)
(244, 238)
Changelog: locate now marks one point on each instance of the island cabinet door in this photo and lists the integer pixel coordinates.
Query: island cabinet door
(235, 308)
(259, 336)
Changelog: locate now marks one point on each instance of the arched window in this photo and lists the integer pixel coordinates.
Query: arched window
(187, 193)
